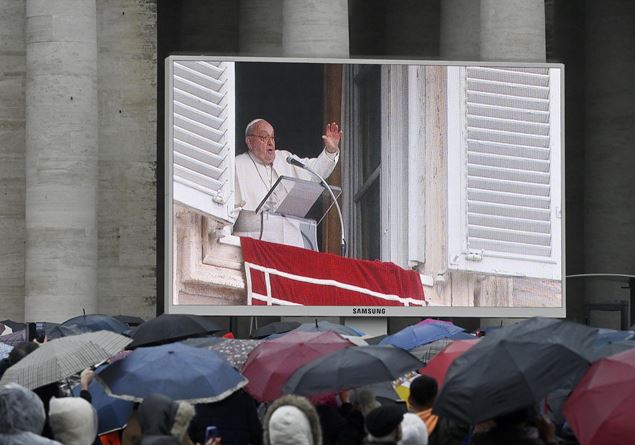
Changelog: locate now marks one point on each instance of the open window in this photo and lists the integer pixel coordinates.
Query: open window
(504, 171)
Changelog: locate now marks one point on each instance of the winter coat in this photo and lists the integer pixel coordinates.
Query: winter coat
(287, 434)
(163, 421)
(22, 417)
(235, 417)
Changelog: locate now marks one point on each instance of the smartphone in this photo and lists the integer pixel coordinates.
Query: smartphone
(35, 331)
(40, 333)
(31, 331)
(211, 432)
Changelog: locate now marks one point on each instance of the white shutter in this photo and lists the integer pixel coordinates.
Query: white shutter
(504, 179)
(202, 139)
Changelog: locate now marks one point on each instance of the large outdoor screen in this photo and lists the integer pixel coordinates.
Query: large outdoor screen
(451, 179)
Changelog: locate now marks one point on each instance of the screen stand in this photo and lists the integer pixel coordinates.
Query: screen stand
(371, 326)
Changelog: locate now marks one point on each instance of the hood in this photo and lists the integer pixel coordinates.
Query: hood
(160, 416)
(25, 439)
(73, 420)
(280, 432)
(21, 410)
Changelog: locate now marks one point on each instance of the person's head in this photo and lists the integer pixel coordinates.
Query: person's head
(161, 419)
(21, 350)
(73, 420)
(384, 424)
(413, 430)
(423, 391)
(21, 410)
(366, 401)
(259, 138)
(292, 420)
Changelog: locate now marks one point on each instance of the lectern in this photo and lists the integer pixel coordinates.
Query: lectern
(289, 213)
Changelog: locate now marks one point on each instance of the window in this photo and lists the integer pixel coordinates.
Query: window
(504, 181)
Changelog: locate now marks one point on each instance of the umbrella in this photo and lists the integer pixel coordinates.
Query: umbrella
(439, 365)
(97, 322)
(14, 325)
(600, 409)
(426, 352)
(351, 368)
(58, 359)
(112, 413)
(54, 330)
(170, 327)
(14, 338)
(420, 334)
(278, 327)
(203, 342)
(235, 351)
(177, 371)
(611, 348)
(606, 336)
(130, 320)
(272, 363)
(514, 367)
(323, 326)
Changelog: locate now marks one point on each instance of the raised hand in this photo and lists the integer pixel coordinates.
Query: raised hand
(331, 137)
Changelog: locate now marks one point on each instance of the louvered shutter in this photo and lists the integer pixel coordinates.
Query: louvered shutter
(202, 136)
(504, 179)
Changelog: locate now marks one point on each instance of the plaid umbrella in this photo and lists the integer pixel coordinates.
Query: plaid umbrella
(235, 351)
(60, 358)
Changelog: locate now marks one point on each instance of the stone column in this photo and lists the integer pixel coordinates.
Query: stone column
(61, 159)
(12, 78)
(313, 28)
(609, 163)
(513, 30)
(460, 30)
(260, 25)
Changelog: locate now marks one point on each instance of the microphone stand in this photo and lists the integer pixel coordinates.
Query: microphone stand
(293, 161)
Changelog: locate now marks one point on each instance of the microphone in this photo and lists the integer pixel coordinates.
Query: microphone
(295, 161)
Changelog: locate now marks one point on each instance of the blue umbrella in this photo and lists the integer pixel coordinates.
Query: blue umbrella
(323, 326)
(175, 370)
(421, 334)
(97, 322)
(607, 336)
(112, 413)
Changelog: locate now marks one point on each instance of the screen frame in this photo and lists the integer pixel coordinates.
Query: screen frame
(345, 311)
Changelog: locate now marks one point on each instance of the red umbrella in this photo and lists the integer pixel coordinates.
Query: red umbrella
(271, 364)
(600, 409)
(440, 363)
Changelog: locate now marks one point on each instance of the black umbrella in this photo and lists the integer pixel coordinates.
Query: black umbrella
(351, 368)
(170, 327)
(130, 320)
(14, 325)
(514, 367)
(97, 322)
(278, 327)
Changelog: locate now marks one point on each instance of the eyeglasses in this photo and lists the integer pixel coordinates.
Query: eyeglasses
(265, 139)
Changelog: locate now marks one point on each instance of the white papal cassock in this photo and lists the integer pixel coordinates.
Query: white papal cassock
(254, 180)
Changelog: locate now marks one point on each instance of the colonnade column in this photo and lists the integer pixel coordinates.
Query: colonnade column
(61, 159)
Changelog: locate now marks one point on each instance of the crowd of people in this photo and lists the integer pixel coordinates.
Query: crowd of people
(50, 414)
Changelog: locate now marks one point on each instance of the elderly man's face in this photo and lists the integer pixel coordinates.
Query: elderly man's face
(261, 143)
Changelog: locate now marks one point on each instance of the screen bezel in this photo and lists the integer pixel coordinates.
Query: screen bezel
(347, 311)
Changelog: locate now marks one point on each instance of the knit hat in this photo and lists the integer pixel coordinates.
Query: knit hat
(289, 426)
(73, 420)
(382, 421)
